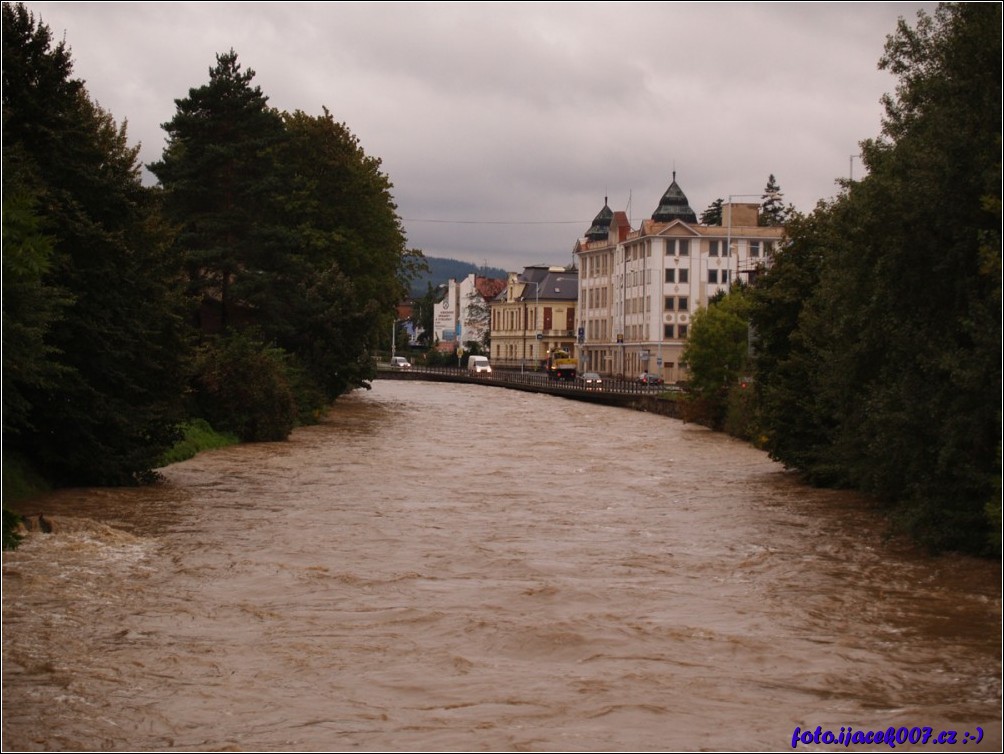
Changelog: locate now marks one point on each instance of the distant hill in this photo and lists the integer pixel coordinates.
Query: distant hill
(441, 270)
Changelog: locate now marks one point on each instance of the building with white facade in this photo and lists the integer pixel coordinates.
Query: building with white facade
(463, 314)
(639, 289)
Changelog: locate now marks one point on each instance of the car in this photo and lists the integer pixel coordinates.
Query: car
(650, 379)
(591, 381)
(399, 362)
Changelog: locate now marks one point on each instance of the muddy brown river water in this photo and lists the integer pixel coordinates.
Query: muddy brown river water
(460, 567)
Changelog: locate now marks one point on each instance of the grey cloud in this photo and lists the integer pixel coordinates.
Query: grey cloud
(530, 113)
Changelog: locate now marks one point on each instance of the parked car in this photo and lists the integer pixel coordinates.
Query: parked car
(399, 362)
(591, 381)
(650, 379)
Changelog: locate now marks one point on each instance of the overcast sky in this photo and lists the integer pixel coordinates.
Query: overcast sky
(503, 126)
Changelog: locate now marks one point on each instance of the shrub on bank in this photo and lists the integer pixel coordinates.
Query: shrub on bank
(197, 435)
(243, 386)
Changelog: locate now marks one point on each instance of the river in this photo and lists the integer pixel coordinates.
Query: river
(461, 567)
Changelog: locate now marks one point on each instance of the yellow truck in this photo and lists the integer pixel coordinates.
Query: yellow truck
(560, 365)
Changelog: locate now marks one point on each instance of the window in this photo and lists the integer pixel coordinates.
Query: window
(547, 317)
(768, 248)
(667, 331)
(713, 249)
(682, 303)
(725, 277)
(682, 332)
(754, 248)
(670, 247)
(670, 303)
(684, 247)
(670, 276)
(713, 277)
(684, 276)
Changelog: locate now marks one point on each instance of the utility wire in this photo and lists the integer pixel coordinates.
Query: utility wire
(493, 222)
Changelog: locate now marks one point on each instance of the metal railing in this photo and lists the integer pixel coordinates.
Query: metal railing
(513, 377)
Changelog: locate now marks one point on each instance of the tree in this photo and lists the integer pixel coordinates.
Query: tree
(713, 214)
(716, 353)
(346, 265)
(423, 315)
(772, 209)
(897, 344)
(110, 400)
(220, 180)
(113, 349)
(794, 429)
(477, 322)
(31, 305)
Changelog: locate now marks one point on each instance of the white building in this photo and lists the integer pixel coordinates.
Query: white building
(463, 314)
(639, 289)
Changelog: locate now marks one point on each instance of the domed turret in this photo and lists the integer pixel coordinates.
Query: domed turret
(674, 206)
(600, 229)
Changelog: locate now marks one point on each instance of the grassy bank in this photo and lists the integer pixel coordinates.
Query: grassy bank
(197, 436)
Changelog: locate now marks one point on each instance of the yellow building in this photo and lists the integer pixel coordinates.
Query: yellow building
(533, 315)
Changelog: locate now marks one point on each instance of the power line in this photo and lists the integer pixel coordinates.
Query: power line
(493, 222)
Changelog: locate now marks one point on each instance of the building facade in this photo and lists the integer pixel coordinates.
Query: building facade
(535, 314)
(462, 316)
(639, 289)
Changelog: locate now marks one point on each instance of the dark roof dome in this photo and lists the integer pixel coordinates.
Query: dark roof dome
(674, 206)
(600, 229)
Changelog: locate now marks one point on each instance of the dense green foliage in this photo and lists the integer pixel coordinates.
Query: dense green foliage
(249, 289)
(93, 379)
(196, 435)
(287, 227)
(242, 386)
(717, 355)
(879, 326)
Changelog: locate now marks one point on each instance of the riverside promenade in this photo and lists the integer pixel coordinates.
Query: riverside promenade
(613, 392)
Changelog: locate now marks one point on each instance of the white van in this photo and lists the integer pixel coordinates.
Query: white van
(399, 362)
(478, 364)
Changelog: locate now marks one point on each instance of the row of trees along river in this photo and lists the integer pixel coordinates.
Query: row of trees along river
(250, 287)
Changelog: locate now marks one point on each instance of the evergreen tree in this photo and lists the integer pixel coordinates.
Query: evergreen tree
(108, 404)
(713, 214)
(772, 209)
(220, 180)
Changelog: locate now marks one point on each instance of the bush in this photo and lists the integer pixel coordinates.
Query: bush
(242, 386)
(197, 435)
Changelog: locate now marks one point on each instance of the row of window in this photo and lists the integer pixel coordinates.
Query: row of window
(678, 275)
(680, 247)
(716, 277)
